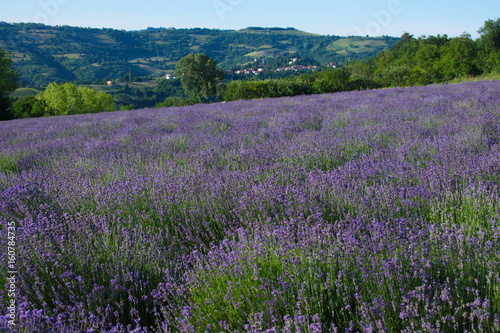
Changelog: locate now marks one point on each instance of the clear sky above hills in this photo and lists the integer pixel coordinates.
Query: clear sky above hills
(327, 17)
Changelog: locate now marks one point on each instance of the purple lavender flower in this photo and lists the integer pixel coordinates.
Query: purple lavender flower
(349, 212)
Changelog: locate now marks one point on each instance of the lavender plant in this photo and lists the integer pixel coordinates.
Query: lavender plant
(372, 211)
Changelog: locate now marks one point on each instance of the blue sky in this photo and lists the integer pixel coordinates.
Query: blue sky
(327, 17)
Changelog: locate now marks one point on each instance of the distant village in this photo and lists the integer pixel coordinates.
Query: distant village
(252, 71)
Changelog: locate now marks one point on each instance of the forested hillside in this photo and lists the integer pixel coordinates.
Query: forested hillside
(411, 61)
(433, 59)
(44, 54)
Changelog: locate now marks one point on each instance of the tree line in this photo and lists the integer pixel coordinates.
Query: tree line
(60, 100)
(411, 61)
(425, 60)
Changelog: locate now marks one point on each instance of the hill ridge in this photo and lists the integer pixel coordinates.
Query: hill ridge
(43, 53)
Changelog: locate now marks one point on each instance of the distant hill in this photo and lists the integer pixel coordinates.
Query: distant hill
(44, 54)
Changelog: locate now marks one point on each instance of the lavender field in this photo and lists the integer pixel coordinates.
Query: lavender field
(372, 211)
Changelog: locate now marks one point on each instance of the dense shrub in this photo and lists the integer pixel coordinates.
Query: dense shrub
(265, 89)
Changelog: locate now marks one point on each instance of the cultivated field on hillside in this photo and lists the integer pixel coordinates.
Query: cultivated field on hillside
(372, 211)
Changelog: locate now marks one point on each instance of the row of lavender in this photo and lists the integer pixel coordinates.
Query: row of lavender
(371, 211)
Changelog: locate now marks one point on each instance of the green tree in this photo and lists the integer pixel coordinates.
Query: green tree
(61, 99)
(65, 99)
(489, 46)
(458, 58)
(8, 83)
(362, 70)
(427, 62)
(266, 89)
(246, 90)
(28, 107)
(395, 76)
(94, 102)
(332, 80)
(199, 75)
(490, 34)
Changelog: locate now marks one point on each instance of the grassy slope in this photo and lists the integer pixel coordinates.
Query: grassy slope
(292, 32)
(355, 45)
(24, 92)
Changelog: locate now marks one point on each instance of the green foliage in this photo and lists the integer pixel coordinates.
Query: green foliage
(362, 71)
(28, 107)
(245, 90)
(490, 34)
(323, 82)
(61, 99)
(411, 61)
(97, 55)
(265, 89)
(8, 83)
(458, 58)
(146, 94)
(199, 75)
(172, 101)
(8, 78)
(395, 76)
(425, 60)
(331, 80)
(5, 104)
(95, 101)
(489, 46)
(66, 99)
